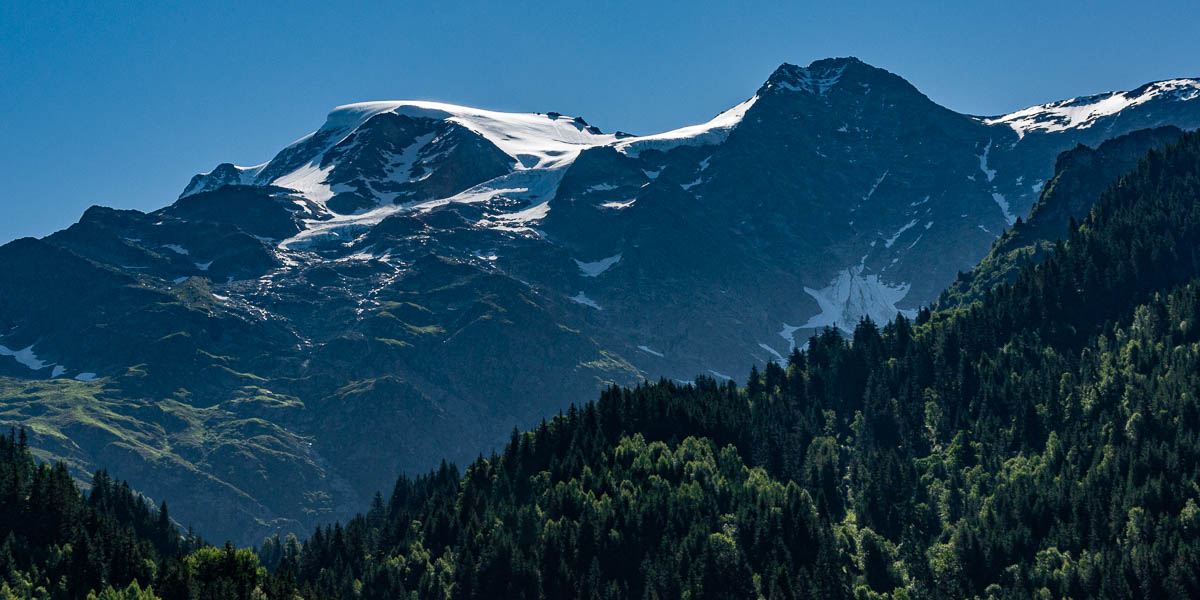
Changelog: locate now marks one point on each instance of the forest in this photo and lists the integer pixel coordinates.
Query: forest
(1043, 442)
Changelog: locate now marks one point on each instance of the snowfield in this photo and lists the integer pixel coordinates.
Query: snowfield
(1083, 112)
(852, 296)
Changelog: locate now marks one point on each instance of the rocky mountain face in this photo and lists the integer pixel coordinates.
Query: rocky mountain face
(1080, 176)
(414, 279)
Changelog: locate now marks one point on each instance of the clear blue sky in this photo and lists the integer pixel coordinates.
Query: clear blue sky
(121, 105)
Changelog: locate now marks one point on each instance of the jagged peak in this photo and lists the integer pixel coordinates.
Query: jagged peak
(817, 78)
(221, 175)
(822, 76)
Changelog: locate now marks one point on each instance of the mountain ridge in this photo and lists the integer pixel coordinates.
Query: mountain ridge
(1080, 175)
(438, 275)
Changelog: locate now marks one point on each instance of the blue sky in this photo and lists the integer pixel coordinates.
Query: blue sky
(121, 105)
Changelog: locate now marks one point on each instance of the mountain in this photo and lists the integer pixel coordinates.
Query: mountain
(1038, 443)
(1080, 176)
(1031, 445)
(413, 280)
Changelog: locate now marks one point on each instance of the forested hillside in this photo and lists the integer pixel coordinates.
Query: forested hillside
(58, 543)
(1043, 442)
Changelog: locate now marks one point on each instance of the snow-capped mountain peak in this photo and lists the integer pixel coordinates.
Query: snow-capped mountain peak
(403, 142)
(534, 139)
(1085, 111)
(541, 141)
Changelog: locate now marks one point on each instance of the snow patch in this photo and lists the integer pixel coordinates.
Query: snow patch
(25, 356)
(851, 296)
(1002, 202)
(28, 358)
(520, 220)
(789, 333)
(983, 162)
(176, 248)
(86, 376)
(647, 350)
(876, 186)
(704, 134)
(582, 298)
(721, 376)
(773, 352)
(895, 236)
(531, 187)
(619, 205)
(401, 167)
(309, 181)
(595, 268)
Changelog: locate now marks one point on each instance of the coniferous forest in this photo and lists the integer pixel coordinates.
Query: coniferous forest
(1043, 442)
